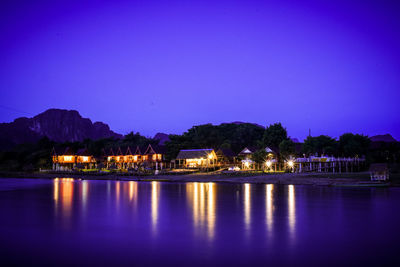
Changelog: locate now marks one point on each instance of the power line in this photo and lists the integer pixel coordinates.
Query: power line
(15, 110)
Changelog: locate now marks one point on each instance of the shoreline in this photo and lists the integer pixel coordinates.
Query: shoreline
(313, 179)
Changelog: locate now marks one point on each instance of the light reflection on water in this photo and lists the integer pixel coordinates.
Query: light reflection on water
(247, 206)
(201, 199)
(131, 220)
(269, 208)
(292, 212)
(155, 191)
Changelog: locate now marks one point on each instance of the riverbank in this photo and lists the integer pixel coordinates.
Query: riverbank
(316, 179)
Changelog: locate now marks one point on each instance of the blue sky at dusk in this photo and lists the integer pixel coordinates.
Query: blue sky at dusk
(164, 66)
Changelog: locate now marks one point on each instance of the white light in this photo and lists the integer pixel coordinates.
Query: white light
(290, 163)
(269, 164)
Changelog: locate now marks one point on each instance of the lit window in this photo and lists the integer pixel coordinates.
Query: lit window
(85, 159)
(154, 157)
(67, 158)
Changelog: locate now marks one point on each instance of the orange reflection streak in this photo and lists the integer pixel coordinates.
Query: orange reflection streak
(269, 206)
(66, 193)
(202, 204)
(154, 204)
(132, 191)
(55, 190)
(202, 198)
(84, 192)
(211, 210)
(247, 206)
(196, 204)
(291, 211)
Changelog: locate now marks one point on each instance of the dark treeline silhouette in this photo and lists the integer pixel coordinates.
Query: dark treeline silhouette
(235, 136)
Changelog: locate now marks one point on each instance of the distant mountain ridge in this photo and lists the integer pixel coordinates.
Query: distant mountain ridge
(59, 125)
(383, 138)
(162, 137)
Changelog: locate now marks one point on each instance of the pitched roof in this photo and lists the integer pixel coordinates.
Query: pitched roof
(119, 152)
(83, 152)
(227, 152)
(155, 149)
(110, 152)
(248, 150)
(63, 151)
(137, 151)
(194, 153)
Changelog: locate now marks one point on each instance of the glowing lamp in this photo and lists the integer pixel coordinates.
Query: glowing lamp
(269, 163)
(290, 163)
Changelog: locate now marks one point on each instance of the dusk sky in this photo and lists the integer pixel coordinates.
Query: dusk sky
(164, 66)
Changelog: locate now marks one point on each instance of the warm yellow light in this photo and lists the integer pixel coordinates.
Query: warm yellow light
(109, 158)
(290, 163)
(247, 164)
(210, 156)
(269, 163)
(154, 157)
(85, 159)
(117, 158)
(67, 158)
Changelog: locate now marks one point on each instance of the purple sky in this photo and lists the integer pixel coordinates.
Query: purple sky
(150, 66)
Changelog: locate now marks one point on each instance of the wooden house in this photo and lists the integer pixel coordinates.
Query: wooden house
(245, 157)
(154, 156)
(197, 158)
(63, 159)
(379, 172)
(85, 159)
(225, 156)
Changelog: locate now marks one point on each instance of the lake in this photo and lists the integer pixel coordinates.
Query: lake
(66, 221)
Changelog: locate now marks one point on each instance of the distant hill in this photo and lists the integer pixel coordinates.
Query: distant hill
(387, 138)
(57, 124)
(162, 137)
(240, 122)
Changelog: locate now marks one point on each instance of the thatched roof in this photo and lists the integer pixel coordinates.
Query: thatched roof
(194, 153)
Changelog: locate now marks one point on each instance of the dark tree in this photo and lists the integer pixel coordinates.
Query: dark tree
(274, 135)
(286, 148)
(351, 145)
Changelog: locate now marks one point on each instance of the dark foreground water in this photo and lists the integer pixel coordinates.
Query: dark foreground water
(66, 221)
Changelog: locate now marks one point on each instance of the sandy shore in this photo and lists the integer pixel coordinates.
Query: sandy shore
(316, 179)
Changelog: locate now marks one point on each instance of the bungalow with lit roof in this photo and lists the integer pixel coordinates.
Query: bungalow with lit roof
(63, 159)
(132, 157)
(85, 158)
(245, 157)
(154, 156)
(197, 158)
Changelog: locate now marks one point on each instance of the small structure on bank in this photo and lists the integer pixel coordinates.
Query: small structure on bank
(226, 156)
(245, 157)
(379, 172)
(154, 156)
(197, 158)
(63, 159)
(85, 159)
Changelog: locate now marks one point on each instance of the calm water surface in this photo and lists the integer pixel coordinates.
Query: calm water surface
(64, 221)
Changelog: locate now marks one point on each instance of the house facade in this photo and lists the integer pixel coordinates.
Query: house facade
(197, 158)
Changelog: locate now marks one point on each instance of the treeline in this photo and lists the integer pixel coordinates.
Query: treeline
(31, 157)
(235, 136)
